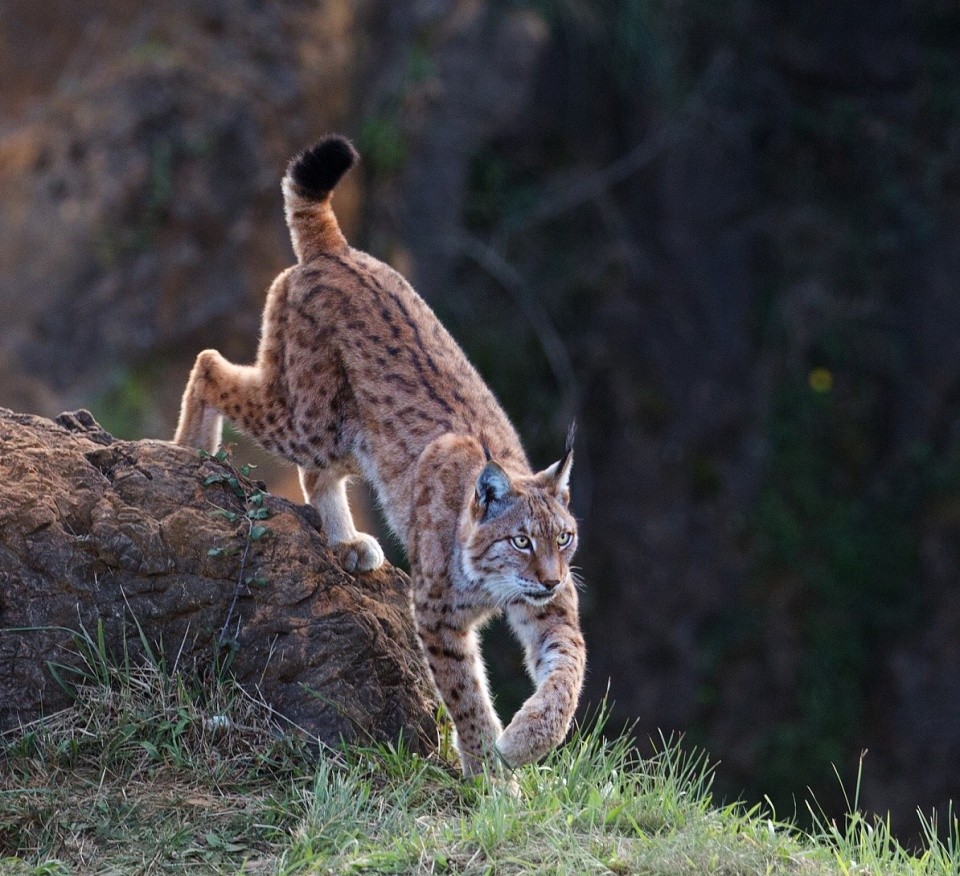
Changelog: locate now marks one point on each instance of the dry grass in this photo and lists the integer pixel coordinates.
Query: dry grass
(146, 774)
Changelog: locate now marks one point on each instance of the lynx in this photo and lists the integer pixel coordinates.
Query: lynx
(355, 375)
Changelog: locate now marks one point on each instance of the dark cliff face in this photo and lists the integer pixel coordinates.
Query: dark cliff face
(724, 240)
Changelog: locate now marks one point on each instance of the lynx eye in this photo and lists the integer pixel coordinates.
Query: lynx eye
(564, 539)
(520, 542)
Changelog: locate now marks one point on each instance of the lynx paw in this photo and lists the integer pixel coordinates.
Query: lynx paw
(361, 554)
(513, 749)
(526, 742)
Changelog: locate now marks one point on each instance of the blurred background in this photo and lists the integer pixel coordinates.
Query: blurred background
(722, 234)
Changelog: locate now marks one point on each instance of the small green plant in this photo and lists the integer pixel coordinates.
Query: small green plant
(252, 529)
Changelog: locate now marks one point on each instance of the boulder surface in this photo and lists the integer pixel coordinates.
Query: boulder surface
(154, 542)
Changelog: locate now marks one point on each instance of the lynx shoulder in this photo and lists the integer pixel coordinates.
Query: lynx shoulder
(355, 376)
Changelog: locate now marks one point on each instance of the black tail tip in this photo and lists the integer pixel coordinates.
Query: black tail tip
(316, 170)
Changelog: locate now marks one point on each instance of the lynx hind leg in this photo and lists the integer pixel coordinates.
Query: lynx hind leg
(215, 387)
(326, 490)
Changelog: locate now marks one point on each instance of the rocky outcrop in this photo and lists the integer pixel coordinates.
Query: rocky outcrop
(141, 177)
(153, 541)
(140, 163)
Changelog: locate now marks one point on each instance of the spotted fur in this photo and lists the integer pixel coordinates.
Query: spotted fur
(356, 376)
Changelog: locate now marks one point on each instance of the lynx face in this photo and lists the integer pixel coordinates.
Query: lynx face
(521, 535)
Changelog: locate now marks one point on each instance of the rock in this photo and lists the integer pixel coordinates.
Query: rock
(146, 535)
(130, 221)
(141, 152)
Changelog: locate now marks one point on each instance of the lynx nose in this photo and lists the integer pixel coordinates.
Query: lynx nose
(550, 585)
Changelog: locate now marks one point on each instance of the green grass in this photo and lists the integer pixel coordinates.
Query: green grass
(148, 774)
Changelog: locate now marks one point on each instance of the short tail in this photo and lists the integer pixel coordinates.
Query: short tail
(307, 187)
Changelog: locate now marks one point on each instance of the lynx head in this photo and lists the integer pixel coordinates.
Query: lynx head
(518, 535)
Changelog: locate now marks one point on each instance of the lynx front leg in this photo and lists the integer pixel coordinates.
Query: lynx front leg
(215, 387)
(453, 655)
(326, 490)
(555, 659)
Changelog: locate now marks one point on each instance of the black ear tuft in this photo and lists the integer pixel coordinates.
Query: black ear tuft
(316, 170)
(571, 434)
(563, 466)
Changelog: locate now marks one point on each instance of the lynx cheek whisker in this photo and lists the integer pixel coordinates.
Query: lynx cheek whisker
(504, 590)
(456, 480)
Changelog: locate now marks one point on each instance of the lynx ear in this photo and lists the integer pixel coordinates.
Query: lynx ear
(559, 472)
(492, 489)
